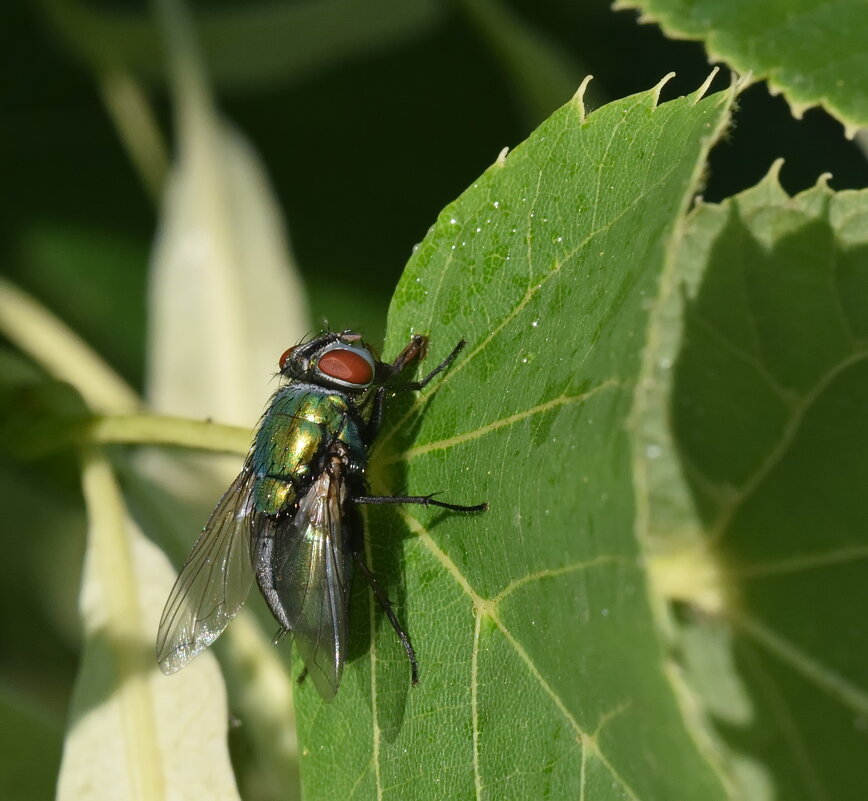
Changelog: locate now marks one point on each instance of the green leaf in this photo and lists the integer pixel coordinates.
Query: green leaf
(39, 416)
(811, 50)
(541, 671)
(766, 401)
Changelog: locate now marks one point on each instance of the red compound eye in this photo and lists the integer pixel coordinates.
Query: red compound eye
(282, 362)
(346, 365)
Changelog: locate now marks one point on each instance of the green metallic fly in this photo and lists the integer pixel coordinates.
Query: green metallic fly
(290, 519)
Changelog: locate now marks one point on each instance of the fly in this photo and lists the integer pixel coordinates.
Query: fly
(290, 519)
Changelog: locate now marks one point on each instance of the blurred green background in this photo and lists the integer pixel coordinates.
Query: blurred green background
(364, 145)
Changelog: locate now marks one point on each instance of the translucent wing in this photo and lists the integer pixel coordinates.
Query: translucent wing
(214, 581)
(310, 579)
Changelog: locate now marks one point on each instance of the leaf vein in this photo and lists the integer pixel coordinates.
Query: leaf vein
(801, 754)
(474, 702)
(388, 432)
(375, 720)
(602, 559)
(804, 562)
(787, 396)
(777, 453)
(833, 683)
(468, 436)
(482, 604)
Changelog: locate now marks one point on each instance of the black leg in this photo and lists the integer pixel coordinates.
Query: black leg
(415, 350)
(279, 635)
(377, 413)
(419, 500)
(387, 608)
(414, 385)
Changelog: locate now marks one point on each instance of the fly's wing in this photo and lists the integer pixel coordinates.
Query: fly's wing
(214, 581)
(312, 575)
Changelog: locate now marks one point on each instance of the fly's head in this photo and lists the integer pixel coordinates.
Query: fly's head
(334, 360)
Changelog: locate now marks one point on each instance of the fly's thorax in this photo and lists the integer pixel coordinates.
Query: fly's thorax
(297, 432)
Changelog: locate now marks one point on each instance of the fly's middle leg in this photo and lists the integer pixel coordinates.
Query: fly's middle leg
(419, 500)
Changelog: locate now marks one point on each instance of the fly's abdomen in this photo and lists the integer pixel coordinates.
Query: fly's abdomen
(294, 436)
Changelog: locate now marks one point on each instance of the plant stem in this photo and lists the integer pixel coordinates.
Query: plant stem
(60, 351)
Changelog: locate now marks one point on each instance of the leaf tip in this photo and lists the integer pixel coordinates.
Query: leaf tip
(704, 87)
(797, 109)
(643, 17)
(773, 176)
(578, 99)
(851, 130)
(823, 182)
(742, 82)
(656, 90)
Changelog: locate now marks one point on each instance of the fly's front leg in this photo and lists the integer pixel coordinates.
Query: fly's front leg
(414, 385)
(414, 351)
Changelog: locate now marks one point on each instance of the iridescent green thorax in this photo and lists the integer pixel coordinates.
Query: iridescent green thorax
(295, 432)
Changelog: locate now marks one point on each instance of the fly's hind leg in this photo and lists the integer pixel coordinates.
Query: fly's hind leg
(422, 500)
(386, 604)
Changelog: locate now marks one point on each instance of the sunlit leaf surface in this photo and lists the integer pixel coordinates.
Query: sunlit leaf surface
(541, 670)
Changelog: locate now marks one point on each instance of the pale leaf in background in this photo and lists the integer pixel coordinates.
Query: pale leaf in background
(224, 298)
(224, 303)
(133, 733)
